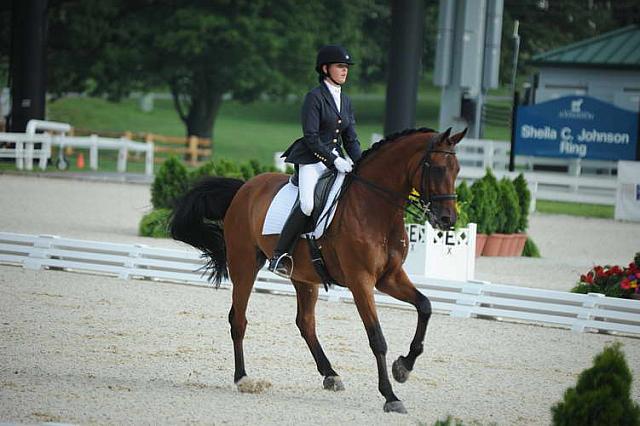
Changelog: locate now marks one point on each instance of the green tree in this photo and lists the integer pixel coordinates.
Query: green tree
(200, 50)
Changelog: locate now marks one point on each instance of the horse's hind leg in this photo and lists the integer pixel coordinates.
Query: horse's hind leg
(396, 284)
(307, 295)
(243, 268)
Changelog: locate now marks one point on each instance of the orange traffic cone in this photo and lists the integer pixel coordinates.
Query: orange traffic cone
(80, 160)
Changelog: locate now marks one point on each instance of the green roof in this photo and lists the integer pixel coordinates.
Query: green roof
(619, 49)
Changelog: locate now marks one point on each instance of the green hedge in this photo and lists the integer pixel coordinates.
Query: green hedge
(174, 179)
(602, 395)
(155, 224)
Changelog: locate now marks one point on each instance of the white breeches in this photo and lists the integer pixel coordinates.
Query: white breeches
(308, 175)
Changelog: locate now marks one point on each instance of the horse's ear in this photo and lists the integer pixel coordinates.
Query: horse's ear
(457, 137)
(443, 136)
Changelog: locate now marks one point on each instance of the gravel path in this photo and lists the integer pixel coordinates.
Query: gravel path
(81, 348)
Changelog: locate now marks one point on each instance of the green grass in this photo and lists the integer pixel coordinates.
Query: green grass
(574, 209)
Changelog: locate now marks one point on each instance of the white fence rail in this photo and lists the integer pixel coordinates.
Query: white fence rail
(24, 150)
(579, 312)
(576, 185)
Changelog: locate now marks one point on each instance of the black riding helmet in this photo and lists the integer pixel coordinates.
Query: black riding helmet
(332, 54)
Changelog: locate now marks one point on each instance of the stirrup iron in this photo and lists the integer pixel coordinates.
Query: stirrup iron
(279, 269)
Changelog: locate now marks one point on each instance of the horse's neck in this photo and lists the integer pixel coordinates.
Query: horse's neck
(389, 171)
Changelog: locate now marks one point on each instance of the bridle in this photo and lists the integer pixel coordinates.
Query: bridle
(423, 203)
(425, 195)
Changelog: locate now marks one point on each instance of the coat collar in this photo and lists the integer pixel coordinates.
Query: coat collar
(327, 95)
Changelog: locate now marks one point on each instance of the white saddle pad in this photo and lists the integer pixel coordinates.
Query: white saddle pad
(285, 199)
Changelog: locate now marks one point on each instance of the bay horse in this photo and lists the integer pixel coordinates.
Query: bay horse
(364, 247)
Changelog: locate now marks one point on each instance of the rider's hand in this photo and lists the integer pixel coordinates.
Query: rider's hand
(342, 165)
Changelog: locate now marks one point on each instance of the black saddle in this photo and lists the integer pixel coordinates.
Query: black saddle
(320, 197)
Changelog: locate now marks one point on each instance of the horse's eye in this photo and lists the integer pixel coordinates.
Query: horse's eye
(438, 171)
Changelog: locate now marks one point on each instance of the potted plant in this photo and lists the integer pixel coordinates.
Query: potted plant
(612, 281)
(482, 211)
(510, 208)
(492, 214)
(524, 201)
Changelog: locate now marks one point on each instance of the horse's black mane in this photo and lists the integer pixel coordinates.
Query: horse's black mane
(390, 138)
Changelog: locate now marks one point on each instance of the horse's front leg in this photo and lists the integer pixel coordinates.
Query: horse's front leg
(363, 298)
(396, 284)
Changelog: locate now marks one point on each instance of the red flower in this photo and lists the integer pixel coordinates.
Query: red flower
(616, 270)
(624, 284)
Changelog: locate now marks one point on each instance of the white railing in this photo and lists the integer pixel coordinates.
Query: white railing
(24, 151)
(579, 312)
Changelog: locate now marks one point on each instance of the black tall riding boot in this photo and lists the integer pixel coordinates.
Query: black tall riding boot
(281, 263)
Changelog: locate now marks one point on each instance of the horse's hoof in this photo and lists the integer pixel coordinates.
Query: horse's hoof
(247, 385)
(400, 371)
(333, 383)
(395, 407)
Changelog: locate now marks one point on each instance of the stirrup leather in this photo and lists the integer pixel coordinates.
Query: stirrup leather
(279, 268)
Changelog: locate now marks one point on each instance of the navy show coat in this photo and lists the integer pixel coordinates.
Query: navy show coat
(324, 128)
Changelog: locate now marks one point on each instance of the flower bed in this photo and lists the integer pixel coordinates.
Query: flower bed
(614, 281)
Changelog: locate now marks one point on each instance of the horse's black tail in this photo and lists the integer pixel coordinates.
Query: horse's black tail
(197, 220)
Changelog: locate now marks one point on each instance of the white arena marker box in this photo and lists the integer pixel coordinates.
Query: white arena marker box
(447, 255)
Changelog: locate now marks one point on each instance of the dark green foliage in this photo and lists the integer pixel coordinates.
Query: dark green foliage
(602, 394)
(464, 193)
(484, 204)
(207, 169)
(228, 168)
(463, 204)
(155, 224)
(530, 249)
(449, 421)
(171, 181)
(636, 258)
(510, 207)
(493, 193)
(524, 200)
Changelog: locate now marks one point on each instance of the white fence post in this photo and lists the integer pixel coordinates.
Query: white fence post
(93, 152)
(122, 156)
(586, 313)
(148, 159)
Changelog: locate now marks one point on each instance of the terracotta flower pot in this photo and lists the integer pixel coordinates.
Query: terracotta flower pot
(508, 247)
(493, 245)
(481, 240)
(521, 240)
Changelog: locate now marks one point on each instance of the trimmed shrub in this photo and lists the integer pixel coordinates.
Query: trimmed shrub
(484, 203)
(530, 249)
(601, 395)
(155, 224)
(524, 200)
(449, 421)
(171, 181)
(207, 169)
(463, 204)
(509, 206)
(493, 193)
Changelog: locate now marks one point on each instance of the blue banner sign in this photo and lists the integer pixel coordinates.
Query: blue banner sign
(576, 127)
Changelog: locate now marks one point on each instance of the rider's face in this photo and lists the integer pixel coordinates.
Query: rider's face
(338, 72)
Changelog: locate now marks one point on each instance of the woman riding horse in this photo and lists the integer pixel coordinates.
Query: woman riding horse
(327, 123)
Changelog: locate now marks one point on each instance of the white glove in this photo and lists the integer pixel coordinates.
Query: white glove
(342, 165)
